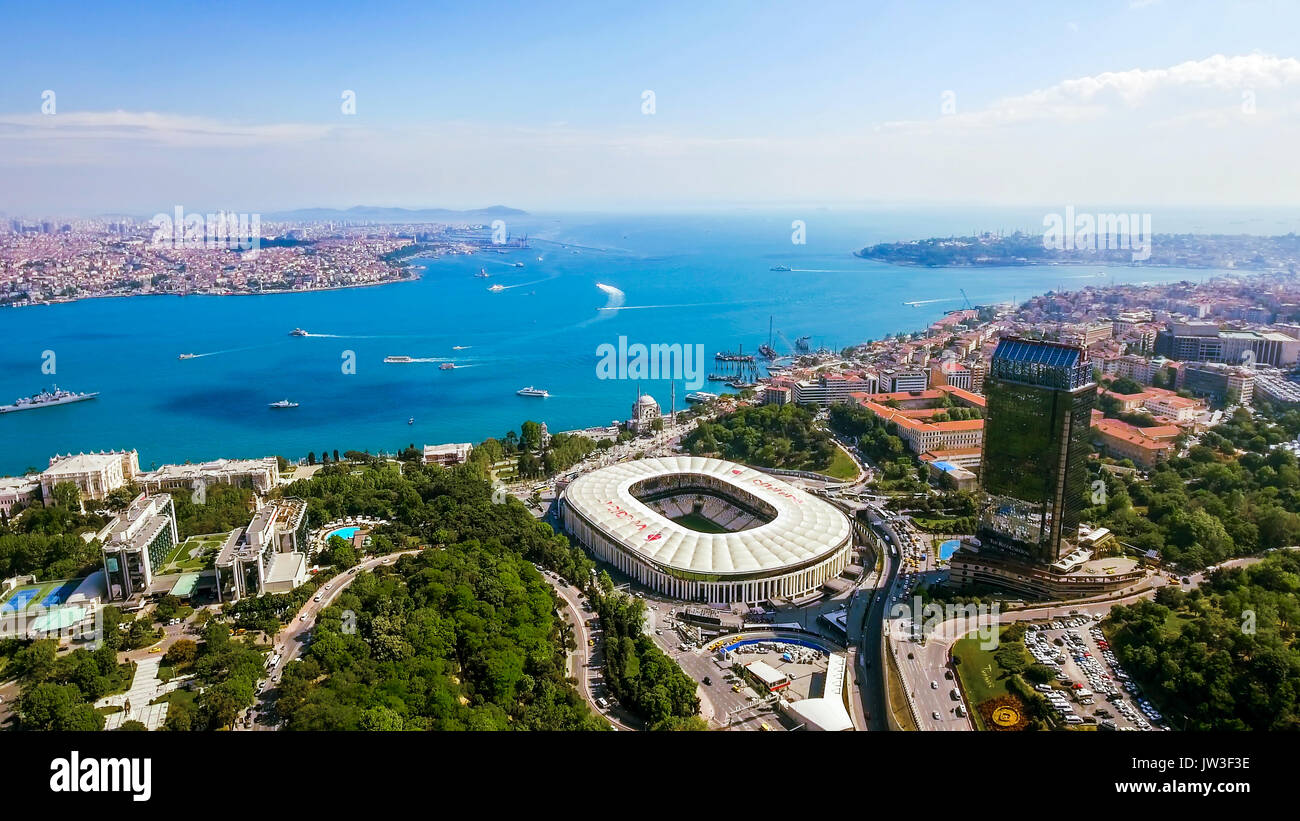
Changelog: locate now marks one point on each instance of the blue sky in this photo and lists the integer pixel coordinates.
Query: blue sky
(467, 104)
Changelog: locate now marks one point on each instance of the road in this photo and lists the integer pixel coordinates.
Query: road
(297, 634)
(584, 662)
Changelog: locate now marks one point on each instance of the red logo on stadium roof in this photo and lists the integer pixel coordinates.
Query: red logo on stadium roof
(737, 472)
(654, 536)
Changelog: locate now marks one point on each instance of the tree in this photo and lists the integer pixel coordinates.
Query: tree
(57, 707)
(181, 654)
(67, 495)
(311, 458)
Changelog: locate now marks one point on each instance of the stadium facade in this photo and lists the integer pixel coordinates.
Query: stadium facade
(707, 530)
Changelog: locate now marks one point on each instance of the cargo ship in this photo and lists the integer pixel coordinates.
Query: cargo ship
(47, 399)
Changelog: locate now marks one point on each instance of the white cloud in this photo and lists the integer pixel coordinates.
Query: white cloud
(1097, 95)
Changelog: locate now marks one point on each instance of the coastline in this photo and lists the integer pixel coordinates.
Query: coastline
(415, 276)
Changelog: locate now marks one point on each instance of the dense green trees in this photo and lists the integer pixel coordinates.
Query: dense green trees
(767, 436)
(646, 680)
(461, 638)
(1224, 656)
(1231, 495)
(224, 508)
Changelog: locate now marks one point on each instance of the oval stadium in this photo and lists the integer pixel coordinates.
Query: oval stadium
(707, 530)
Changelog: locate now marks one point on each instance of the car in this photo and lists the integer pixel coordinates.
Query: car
(934, 685)
(316, 597)
(935, 715)
(303, 617)
(328, 585)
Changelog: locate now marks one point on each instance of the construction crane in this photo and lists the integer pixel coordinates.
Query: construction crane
(969, 306)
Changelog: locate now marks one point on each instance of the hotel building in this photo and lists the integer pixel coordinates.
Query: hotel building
(268, 556)
(136, 543)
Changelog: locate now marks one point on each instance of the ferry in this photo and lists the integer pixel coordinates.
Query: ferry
(46, 399)
(283, 403)
(779, 268)
(447, 366)
(459, 347)
(187, 356)
(298, 332)
(701, 396)
(497, 288)
(398, 359)
(531, 391)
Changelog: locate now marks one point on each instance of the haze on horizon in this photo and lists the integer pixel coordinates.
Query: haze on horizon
(1151, 102)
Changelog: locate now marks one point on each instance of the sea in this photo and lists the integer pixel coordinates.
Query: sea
(692, 278)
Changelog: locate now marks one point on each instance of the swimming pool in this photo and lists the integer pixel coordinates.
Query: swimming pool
(343, 533)
(948, 548)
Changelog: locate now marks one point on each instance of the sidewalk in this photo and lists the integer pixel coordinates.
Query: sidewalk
(145, 687)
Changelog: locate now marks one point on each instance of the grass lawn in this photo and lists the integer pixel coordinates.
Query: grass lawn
(180, 561)
(842, 466)
(981, 676)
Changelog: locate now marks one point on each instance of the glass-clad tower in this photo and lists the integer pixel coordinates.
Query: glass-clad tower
(1034, 478)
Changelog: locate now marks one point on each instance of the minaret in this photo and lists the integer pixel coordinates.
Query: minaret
(672, 406)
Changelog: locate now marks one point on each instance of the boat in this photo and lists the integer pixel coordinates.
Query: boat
(701, 396)
(447, 366)
(398, 359)
(497, 288)
(719, 377)
(779, 268)
(519, 265)
(46, 399)
(187, 356)
(531, 391)
(482, 274)
(411, 421)
(459, 347)
(298, 332)
(283, 403)
(767, 351)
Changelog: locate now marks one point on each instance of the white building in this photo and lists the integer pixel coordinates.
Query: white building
(95, 474)
(447, 455)
(17, 490)
(138, 541)
(261, 474)
(268, 556)
(645, 412)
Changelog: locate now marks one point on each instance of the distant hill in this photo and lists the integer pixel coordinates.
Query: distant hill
(374, 213)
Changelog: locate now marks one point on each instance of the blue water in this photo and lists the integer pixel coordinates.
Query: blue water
(948, 548)
(688, 279)
(60, 594)
(19, 601)
(343, 533)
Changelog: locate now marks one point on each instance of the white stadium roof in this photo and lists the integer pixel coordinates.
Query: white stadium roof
(805, 527)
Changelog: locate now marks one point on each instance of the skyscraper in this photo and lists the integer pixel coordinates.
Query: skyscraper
(1034, 476)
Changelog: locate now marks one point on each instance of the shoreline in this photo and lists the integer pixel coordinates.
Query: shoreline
(412, 278)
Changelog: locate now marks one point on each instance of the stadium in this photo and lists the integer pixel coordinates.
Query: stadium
(707, 530)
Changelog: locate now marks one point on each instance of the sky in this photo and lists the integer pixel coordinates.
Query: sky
(548, 107)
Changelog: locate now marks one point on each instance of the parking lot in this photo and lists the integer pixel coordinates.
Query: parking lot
(1091, 687)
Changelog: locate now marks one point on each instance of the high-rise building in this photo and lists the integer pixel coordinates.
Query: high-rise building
(1039, 396)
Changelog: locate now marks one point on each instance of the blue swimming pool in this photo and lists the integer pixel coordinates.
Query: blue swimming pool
(948, 548)
(343, 533)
